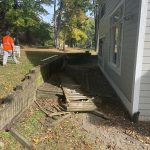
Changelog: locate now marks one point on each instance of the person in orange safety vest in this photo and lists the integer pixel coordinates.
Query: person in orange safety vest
(8, 47)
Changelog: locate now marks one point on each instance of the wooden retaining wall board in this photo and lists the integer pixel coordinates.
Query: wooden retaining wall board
(50, 89)
(25, 93)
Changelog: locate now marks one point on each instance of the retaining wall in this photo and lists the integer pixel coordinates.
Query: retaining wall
(25, 93)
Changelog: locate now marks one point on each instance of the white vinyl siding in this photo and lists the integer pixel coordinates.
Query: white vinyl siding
(124, 80)
(144, 101)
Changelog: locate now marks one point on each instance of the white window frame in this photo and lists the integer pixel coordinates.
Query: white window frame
(116, 67)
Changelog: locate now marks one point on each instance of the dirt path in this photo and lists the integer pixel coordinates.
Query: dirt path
(110, 135)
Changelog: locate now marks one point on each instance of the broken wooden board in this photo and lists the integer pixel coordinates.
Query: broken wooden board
(47, 94)
(76, 100)
(100, 114)
(21, 139)
(42, 109)
(48, 90)
(80, 106)
(71, 85)
(58, 114)
(58, 121)
(72, 95)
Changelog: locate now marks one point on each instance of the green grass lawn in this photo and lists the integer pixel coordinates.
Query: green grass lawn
(12, 74)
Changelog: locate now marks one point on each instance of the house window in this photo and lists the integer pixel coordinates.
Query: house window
(100, 47)
(103, 10)
(116, 37)
(101, 51)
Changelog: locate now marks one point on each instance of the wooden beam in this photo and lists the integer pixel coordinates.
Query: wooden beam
(61, 108)
(49, 57)
(42, 109)
(80, 106)
(21, 139)
(67, 100)
(56, 107)
(55, 123)
(58, 114)
(100, 114)
(82, 109)
(67, 85)
(77, 96)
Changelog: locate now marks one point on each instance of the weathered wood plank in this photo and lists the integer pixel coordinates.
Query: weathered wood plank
(56, 107)
(21, 139)
(70, 85)
(57, 122)
(77, 96)
(100, 114)
(73, 109)
(42, 109)
(58, 114)
(81, 106)
(73, 92)
(49, 91)
(67, 100)
(77, 99)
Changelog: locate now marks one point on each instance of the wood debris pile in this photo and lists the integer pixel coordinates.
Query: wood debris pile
(54, 112)
(76, 100)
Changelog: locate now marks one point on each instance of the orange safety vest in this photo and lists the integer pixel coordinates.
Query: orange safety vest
(7, 42)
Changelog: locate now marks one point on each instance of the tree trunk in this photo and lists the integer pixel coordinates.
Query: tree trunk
(64, 41)
(96, 21)
(59, 21)
(55, 25)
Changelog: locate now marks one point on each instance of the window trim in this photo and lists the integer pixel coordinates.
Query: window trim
(114, 66)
